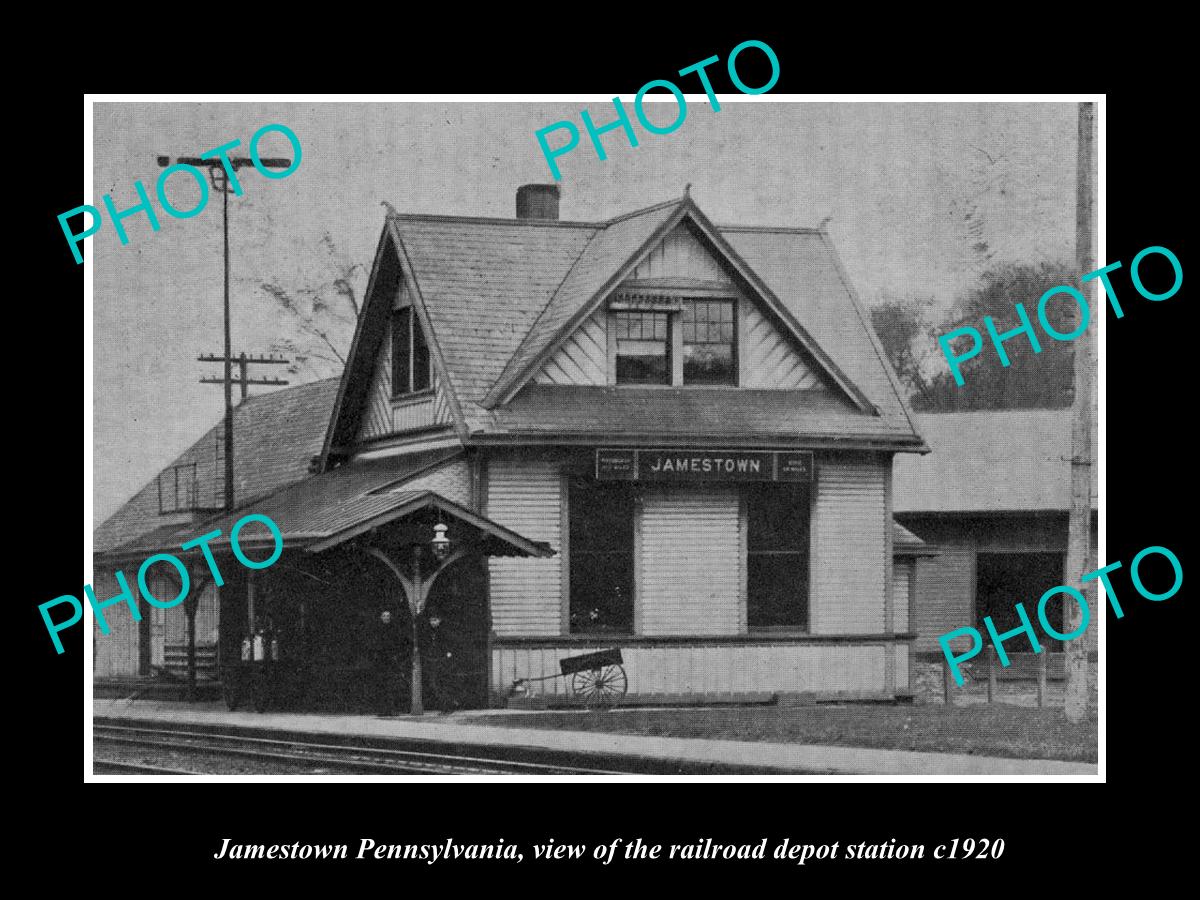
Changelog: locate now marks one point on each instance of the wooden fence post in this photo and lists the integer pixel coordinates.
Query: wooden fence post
(991, 673)
(1041, 690)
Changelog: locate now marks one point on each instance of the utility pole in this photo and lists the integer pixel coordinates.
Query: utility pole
(244, 362)
(1079, 529)
(220, 181)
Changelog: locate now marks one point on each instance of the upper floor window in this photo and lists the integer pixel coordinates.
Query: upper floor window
(643, 347)
(412, 368)
(708, 342)
(678, 341)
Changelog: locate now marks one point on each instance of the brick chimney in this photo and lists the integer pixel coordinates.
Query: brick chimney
(538, 201)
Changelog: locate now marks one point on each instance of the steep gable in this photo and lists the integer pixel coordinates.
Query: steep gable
(384, 415)
(768, 357)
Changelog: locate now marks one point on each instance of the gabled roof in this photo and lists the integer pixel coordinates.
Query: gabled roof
(275, 436)
(501, 294)
(1016, 460)
(610, 254)
(609, 258)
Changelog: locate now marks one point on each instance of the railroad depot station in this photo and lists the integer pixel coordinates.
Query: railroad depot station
(553, 438)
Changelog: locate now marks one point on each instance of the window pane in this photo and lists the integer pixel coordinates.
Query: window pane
(708, 342)
(601, 556)
(777, 558)
(777, 591)
(642, 356)
(421, 369)
(778, 517)
(400, 351)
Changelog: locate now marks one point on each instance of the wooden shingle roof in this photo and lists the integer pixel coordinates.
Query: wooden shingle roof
(275, 437)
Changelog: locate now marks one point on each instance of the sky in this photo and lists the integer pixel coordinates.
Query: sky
(898, 184)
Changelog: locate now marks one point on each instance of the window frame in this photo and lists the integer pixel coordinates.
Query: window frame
(805, 552)
(733, 342)
(404, 339)
(572, 555)
(671, 302)
(667, 342)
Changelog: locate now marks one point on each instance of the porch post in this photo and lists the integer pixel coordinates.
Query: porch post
(417, 706)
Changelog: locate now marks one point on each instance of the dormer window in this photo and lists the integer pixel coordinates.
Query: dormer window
(412, 369)
(643, 347)
(708, 342)
(673, 340)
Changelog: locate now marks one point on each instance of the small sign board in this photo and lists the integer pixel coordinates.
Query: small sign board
(704, 465)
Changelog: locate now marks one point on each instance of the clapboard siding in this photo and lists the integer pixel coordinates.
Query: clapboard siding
(768, 358)
(849, 556)
(583, 359)
(690, 561)
(526, 594)
(945, 593)
(680, 255)
(116, 653)
(718, 671)
(383, 416)
(901, 570)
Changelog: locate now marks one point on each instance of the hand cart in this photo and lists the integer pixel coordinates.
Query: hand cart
(598, 679)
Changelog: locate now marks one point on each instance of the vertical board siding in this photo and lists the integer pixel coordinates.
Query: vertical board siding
(116, 653)
(680, 255)
(849, 556)
(724, 671)
(769, 359)
(452, 481)
(900, 572)
(583, 359)
(377, 415)
(525, 495)
(690, 566)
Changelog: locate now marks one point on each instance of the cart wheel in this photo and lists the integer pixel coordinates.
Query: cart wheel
(600, 688)
(230, 693)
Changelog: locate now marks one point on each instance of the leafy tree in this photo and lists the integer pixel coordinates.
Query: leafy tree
(1031, 380)
(905, 335)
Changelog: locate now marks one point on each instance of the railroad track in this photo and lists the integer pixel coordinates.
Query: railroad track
(120, 767)
(331, 758)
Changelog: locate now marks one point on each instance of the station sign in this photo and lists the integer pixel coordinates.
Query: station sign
(704, 465)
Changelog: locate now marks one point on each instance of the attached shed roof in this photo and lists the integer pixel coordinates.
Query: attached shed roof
(988, 461)
(325, 510)
(905, 543)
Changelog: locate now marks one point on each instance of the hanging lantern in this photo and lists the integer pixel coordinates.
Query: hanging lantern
(441, 543)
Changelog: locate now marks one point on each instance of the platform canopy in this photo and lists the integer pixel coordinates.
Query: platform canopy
(328, 510)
